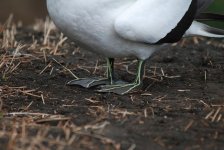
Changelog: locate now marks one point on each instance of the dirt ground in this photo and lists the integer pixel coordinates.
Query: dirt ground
(181, 104)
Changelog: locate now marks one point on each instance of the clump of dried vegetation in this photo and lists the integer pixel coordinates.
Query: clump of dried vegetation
(14, 52)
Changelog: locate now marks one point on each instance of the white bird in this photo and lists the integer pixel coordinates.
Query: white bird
(122, 28)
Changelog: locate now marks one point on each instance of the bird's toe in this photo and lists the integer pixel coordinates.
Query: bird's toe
(89, 82)
(119, 89)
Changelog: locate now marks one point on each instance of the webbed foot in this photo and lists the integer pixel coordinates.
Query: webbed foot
(89, 82)
(119, 89)
(124, 88)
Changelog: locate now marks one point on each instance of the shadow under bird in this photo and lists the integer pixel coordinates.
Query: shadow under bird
(123, 28)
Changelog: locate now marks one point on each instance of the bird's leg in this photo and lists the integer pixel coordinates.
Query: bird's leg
(90, 82)
(110, 70)
(122, 89)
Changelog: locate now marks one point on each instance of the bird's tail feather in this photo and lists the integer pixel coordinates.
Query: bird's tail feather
(200, 29)
(210, 17)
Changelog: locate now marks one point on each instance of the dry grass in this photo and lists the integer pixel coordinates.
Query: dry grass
(13, 53)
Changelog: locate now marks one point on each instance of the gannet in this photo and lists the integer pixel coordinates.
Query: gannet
(123, 28)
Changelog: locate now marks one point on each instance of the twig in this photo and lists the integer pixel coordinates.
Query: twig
(53, 119)
(209, 114)
(43, 100)
(45, 68)
(216, 113)
(66, 69)
(26, 113)
(188, 125)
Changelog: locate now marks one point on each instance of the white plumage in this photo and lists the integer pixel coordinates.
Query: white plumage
(149, 21)
(121, 28)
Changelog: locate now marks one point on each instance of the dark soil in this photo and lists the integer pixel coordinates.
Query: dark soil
(179, 107)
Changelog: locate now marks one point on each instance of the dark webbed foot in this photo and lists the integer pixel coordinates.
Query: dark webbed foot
(108, 84)
(89, 82)
(124, 88)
